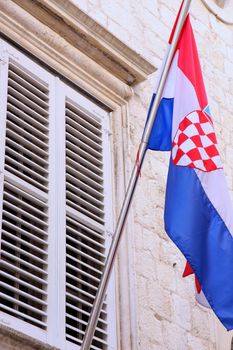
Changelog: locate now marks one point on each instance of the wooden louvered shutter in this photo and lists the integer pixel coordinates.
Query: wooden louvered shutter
(55, 206)
(24, 166)
(86, 220)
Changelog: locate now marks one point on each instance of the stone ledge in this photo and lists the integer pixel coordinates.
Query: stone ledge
(12, 339)
(89, 37)
(48, 46)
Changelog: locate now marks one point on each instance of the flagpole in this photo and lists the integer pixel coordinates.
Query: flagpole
(90, 330)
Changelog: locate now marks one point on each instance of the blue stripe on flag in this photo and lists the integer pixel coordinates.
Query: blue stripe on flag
(197, 229)
(160, 137)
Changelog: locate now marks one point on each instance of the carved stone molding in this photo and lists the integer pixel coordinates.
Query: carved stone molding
(223, 11)
(89, 37)
(48, 46)
(66, 39)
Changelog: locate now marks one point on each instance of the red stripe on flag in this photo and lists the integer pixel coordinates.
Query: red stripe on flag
(174, 26)
(188, 62)
(197, 285)
(189, 271)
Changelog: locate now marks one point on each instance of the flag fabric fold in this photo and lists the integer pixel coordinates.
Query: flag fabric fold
(198, 210)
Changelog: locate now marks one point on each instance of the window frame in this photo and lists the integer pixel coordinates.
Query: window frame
(55, 334)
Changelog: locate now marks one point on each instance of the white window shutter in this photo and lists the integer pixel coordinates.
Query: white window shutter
(55, 204)
(24, 193)
(86, 221)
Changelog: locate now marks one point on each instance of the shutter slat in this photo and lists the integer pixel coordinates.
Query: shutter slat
(77, 299)
(74, 339)
(23, 176)
(39, 160)
(27, 85)
(24, 223)
(84, 283)
(27, 93)
(96, 186)
(83, 311)
(25, 213)
(23, 272)
(85, 323)
(98, 196)
(34, 238)
(22, 251)
(36, 119)
(78, 224)
(89, 266)
(98, 162)
(10, 198)
(85, 237)
(85, 197)
(84, 167)
(20, 292)
(24, 316)
(21, 158)
(83, 127)
(86, 116)
(93, 347)
(86, 161)
(28, 126)
(77, 251)
(83, 332)
(26, 306)
(23, 283)
(83, 273)
(26, 101)
(28, 77)
(30, 111)
(75, 143)
(15, 137)
(83, 118)
(84, 245)
(79, 290)
(82, 204)
(27, 135)
(26, 196)
(71, 131)
(80, 209)
(23, 262)
(91, 258)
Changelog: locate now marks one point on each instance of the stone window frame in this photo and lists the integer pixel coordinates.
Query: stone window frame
(68, 41)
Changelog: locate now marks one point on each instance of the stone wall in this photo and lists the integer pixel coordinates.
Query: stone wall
(167, 314)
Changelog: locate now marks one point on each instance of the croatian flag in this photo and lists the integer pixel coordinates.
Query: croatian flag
(198, 209)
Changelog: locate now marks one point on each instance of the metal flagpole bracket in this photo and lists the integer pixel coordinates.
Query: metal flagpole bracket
(87, 340)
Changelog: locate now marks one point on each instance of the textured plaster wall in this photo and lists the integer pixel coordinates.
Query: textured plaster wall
(167, 314)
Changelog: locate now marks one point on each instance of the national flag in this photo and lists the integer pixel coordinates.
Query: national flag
(198, 210)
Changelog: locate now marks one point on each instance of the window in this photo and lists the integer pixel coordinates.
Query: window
(55, 203)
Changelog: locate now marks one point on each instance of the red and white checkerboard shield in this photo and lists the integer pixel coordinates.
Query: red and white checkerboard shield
(195, 143)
